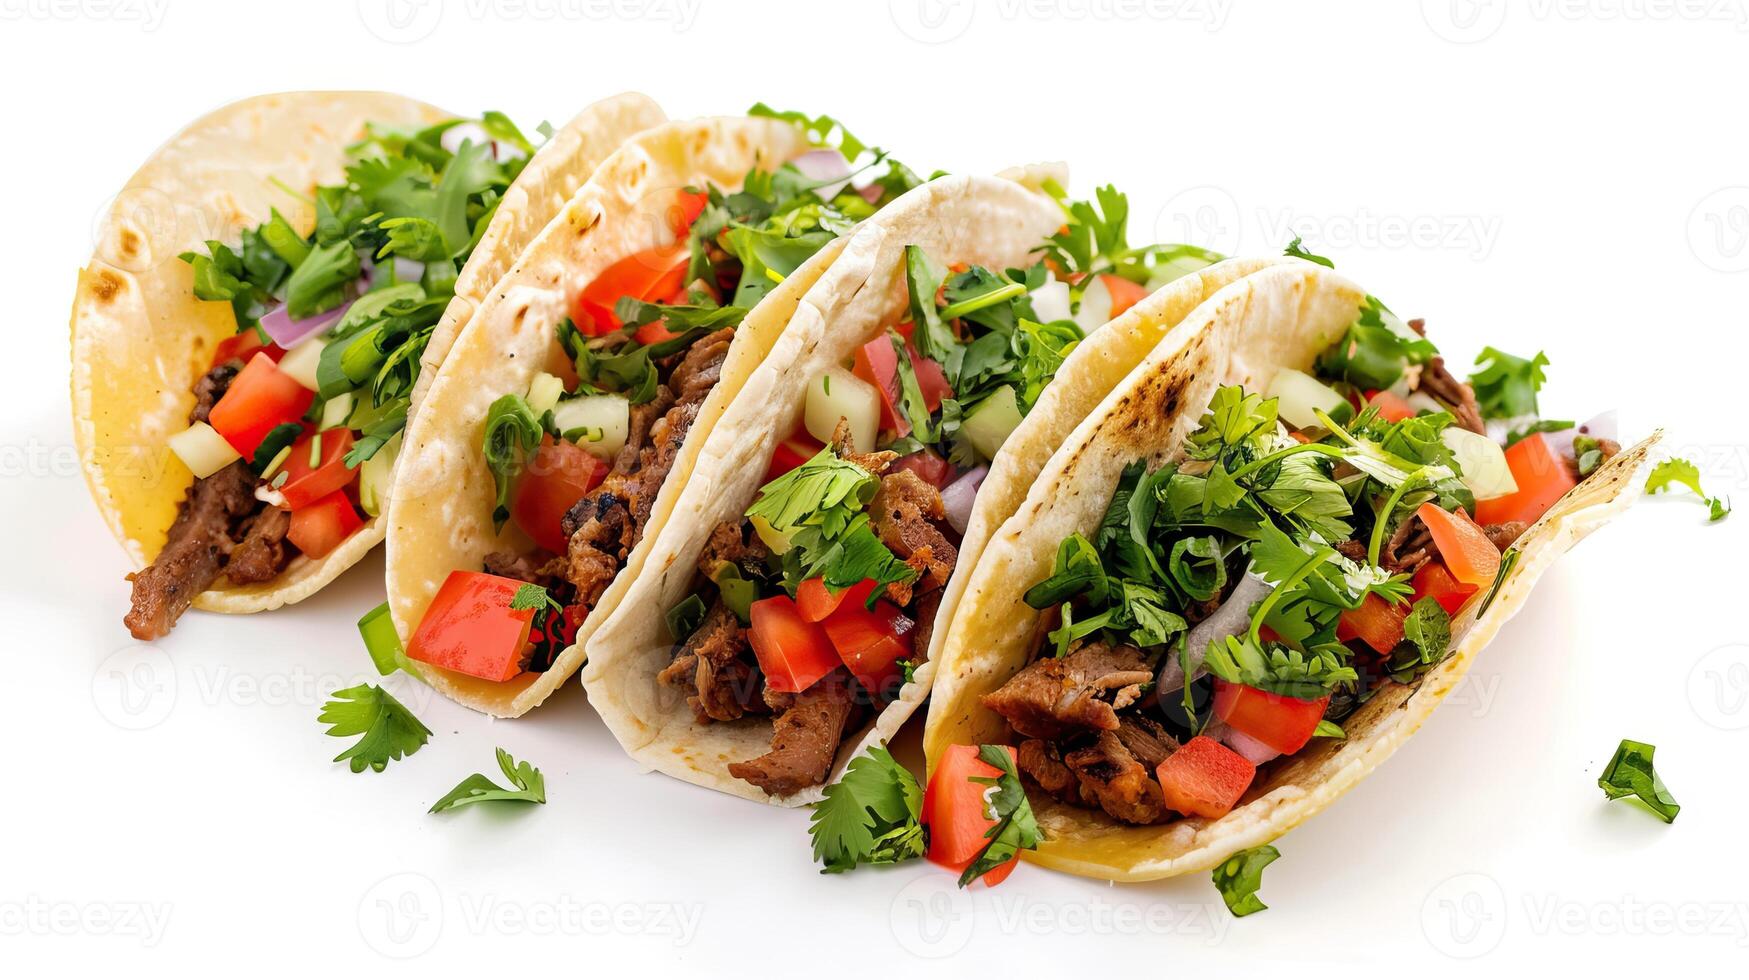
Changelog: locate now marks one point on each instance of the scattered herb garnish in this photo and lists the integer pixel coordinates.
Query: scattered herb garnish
(1295, 250)
(1015, 828)
(389, 730)
(1681, 472)
(1239, 877)
(529, 786)
(1506, 386)
(871, 815)
(1630, 773)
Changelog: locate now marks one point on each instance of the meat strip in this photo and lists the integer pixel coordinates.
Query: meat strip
(1053, 698)
(710, 666)
(194, 553)
(1114, 780)
(804, 740)
(905, 511)
(1437, 380)
(264, 552)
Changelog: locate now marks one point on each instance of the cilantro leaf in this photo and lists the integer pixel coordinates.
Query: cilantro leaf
(1630, 773)
(531, 596)
(1506, 386)
(319, 284)
(1295, 250)
(1681, 472)
(512, 431)
(871, 815)
(528, 786)
(1016, 829)
(390, 731)
(1239, 877)
(1427, 630)
(1375, 350)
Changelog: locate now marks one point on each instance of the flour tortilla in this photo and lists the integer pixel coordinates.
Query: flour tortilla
(140, 337)
(991, 221)
(440, 517)
(1274, 318)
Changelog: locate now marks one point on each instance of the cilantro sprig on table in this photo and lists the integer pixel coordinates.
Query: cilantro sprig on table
(1241, 875)
(1630, 773)
(871, 815)
(527, 785)
(389, 731)
(1672, 473)
(405, 196)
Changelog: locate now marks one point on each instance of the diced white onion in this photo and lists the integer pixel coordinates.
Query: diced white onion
(1095, 306)
(470, 132)
(408, 270)
(960, 495)
(1483, 463)
(1423, 403)
(203, 450)
(544, 392)
(838, 394)
(1051, 301)
(1255, 752)
(1230, 619)
(1300, 396)
(824, 164)
(601, 422)
(301, 361)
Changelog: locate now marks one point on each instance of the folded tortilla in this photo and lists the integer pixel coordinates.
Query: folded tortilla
(1274, 318)
(440, 516)
(141, 338)
(997, 222)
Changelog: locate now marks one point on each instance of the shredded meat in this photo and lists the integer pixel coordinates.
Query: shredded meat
(875, 462)
(264, 552)
(525, 568)
(904, 512)
(210, 388)
(607, 523)
(732, 543)
(1052, 698)
(1504, 534)
(804, 739)
(1146, 740)
(1437, 380)
(195, 552)
(1409, 547)
(1042, 762)
(927, 606)
(1112, 779)
(711, 665)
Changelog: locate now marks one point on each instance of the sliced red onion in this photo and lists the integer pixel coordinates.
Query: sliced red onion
(1255, 752)
(824, 164)
(1232, 618)
(872, 193)
(960, 495)
(407, 270)
(1603, 426)
(288, 333)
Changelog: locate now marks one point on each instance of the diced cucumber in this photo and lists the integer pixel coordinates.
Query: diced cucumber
(598, 423)
(991, 421)
(373, 477)
(203, 450)
(838, 394)
(1486, 472)
(335, 411)
(544, 393)
(1299, 396)
(300, 362)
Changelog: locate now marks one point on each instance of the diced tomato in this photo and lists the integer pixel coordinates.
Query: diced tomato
(792, 652)
(871, 642)
(955, 812)
(319, 527)
(1124, 293)
(815, 601)
(1377, 622)
(261, 397)
(685, 210)
(555, 477)
(1390, 405)
(1435, 581)
(931, 379)
(242, 346)
(305, 484)
(1204, 778)
(793, 452)
(471, 629)
(877, 362)
(928, 466)
(654, 332)
(1542, 477)
(1466, 551)
(1284, 724)
(653, 274)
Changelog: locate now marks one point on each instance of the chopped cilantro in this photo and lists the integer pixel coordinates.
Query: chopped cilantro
(1295, 250)
(1506, 386)
(1015, 829)
(1681, 472)
(1630, 773)
(528, 786)
(389, 730)
(512, 432)
(1239, 877)
(871, 815)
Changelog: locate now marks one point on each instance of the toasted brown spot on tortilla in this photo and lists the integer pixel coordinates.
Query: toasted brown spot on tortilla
(106, 285)
(129, 244)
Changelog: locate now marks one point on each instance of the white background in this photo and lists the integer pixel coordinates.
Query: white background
(1560, 176)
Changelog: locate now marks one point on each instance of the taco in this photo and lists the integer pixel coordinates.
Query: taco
(248, 337)
(1246, 578)
(786, 613)
(553, 443)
